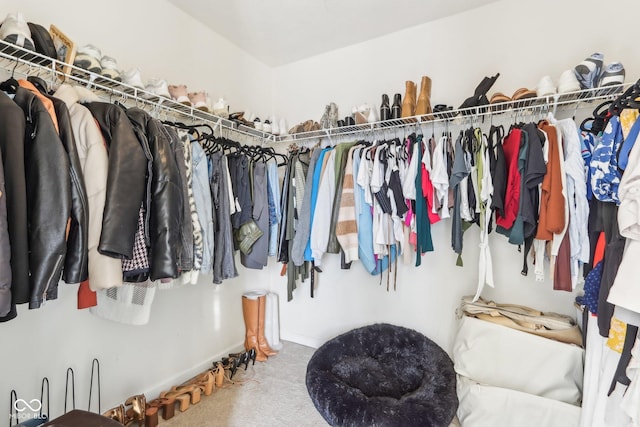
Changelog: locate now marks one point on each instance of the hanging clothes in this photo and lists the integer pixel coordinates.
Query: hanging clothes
(203, 202)
(485, 191)
(458, 174)
(347, 226)
(423, 226)
(257, 258)
(224, 266)
(275, 214)
(48, 189)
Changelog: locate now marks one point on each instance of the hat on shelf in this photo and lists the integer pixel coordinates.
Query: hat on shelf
(545, 87)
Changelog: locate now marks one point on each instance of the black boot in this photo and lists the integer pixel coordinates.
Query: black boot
(396, 108)
(385, 110)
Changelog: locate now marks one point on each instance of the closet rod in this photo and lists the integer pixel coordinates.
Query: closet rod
(456, 117)
(15, 59)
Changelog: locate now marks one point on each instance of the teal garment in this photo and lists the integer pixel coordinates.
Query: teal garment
(317, 174)
(423, 226)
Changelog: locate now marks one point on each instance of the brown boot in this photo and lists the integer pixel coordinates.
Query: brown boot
(409, 101)
(262, 341)
(423, 105)
(250, 311)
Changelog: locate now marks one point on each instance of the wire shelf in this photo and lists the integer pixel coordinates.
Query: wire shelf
(22, 61)
(564, 101)
(16, 59)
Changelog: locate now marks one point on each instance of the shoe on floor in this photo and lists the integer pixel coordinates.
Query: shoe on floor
(545, 87)
(110, 68)
(199, 100)
(132, 78)
(568, 82)
(179, 94)
(88, 57)
(15, 30)
(588, 71)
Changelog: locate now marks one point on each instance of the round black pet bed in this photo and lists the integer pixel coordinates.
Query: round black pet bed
(383, 375)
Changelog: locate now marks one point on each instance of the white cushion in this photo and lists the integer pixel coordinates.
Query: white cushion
(483, 405)
(504, 357)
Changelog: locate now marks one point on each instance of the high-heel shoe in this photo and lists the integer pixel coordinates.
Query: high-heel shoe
(204, 380)
(231, 364)
(136, 412)
(117, 414)
(218, 373)
(153, 407)
(170, 397)
(192, 390)
(241, 358)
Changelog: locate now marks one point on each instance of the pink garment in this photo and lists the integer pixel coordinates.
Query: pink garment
(427, 192)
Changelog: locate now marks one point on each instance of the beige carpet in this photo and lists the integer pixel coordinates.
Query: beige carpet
(272, 394)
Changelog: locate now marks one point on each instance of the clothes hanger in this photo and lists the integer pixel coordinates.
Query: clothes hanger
(11, 84)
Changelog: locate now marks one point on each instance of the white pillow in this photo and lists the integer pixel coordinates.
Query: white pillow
(504, 357)
(487, 406)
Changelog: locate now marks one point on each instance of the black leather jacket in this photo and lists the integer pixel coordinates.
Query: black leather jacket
(76, 268)
(48, 198)
(125, 181)
(165, 197)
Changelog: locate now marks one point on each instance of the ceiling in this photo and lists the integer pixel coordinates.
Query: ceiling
(278, 32)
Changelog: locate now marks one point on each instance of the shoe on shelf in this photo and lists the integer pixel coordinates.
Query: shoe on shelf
(333, 115)
(372, 117)
(221, 108)
(275, 127)
(385, 109)
(545, 87)
(568, 82)
(199, 100)
(179, 94)
(15, 30)
(613, 74)
(158, 87)
(88, 57)
(266, 126)
(110, 68)
(349, 121)
(588, 71)
(257, 124)
(133, 78)
(396, 108)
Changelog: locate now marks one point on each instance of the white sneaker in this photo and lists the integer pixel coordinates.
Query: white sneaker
(110, 68)
(568, 82)
(221, 108)
(545, 87)
(88, 57)
(158, 87)
(266, 126)
(133, 78)
(15, 30)
(275, 127)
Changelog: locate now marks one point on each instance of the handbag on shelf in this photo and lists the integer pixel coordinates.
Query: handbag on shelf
(545, 324)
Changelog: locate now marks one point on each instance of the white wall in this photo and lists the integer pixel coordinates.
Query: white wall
(190, 326)
(521, 40)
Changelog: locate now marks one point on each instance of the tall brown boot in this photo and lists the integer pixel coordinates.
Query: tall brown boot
(262, 341)
(250, 312)
(423, 105)
(409, 101)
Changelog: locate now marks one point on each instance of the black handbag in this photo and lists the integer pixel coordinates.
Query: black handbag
(42, 40)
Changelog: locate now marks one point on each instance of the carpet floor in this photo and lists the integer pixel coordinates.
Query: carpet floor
(269, 394)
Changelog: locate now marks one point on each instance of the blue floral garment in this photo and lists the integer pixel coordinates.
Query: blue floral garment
(604, 173)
